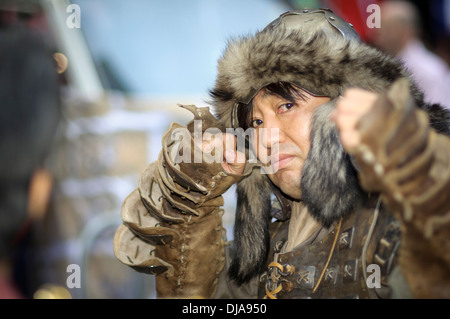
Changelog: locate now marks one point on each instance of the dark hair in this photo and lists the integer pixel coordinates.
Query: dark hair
(285, 90)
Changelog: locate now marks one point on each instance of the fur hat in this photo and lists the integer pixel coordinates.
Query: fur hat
(324, 60)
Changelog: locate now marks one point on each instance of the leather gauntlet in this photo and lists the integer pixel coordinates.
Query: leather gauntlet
(409, 164)
(172, 223)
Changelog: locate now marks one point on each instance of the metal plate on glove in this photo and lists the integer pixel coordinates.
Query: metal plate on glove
(151, 195)
(138, 254)
(184, 180)
(196, 197)
(141, 223)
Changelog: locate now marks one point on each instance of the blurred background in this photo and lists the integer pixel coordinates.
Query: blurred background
(120, 68)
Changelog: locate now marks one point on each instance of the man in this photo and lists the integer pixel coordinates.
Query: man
(347, 181)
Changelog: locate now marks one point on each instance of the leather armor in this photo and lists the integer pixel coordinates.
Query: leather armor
(172, 223)
(408, 163)
(305, 273)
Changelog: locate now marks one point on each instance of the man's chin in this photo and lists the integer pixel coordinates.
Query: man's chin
(293, 191)
(294, 196)
(288, 181)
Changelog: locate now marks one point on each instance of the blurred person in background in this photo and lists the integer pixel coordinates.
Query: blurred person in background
(29, 116)
(400, 35)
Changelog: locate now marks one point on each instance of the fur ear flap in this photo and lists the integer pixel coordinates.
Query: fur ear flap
(251, 228)
(329, 183)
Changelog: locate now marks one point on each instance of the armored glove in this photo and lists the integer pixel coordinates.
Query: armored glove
(409, 164)
(172, 223)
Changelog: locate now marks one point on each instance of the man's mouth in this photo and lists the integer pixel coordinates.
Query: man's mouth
(281, 161)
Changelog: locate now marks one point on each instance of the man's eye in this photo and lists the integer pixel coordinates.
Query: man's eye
(255, 123)
(285, 107)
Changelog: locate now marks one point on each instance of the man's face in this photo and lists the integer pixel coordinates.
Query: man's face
(290, 149)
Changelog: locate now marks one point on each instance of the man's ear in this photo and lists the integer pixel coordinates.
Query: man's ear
(40, 189)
